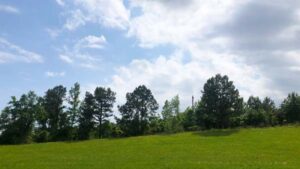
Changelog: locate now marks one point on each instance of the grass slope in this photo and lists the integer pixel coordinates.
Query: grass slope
(220, 149)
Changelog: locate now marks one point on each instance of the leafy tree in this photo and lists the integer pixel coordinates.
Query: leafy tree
(53, 104)
(104, 102)
(255, 118)
(272, 113)
(171, 115)
(291, 107)
(156, 125)
(268, 104)
(41, 133)
(41, 115)
(137, 111)
(190, 121)
(254, 103)
(87, 111)
(17, 119)
(167, 111)
(74, 104)
(175, 103)
(220, 102)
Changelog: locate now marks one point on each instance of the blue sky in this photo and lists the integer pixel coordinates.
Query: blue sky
(172, 46)
(28, 29)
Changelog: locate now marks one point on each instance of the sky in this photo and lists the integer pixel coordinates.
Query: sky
(171, 46)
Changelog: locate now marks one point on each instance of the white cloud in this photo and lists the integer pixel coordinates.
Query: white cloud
(66, 58)
(111, 13)
(168, 76)
(9, 9)
(92, 42)
(54, 74)
(77, 19)
(254, 42)
(53, 32)
(79, 54)
(60, 2)
(12, 53)
(178, 22)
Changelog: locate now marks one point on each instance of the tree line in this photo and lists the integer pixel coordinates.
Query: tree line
(60, 115)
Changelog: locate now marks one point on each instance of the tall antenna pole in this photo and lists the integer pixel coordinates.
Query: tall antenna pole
(193, 102)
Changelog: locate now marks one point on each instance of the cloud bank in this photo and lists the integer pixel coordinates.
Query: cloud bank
(256, 43)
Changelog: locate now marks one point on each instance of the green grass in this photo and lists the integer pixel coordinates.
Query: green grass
(219, 149)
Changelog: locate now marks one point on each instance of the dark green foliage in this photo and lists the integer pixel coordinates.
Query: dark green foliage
(53, 104)
(74, 103)
(291, 107)
(104, 102)
(41, 115)
(87, 110)
(41, 136)
(260, 113)
(137, 111)
(254, 103)
(17, 119)
(255, 118)
(43, 119)
(189, 121)
(220, 102)
(73, 112)
(156, 125)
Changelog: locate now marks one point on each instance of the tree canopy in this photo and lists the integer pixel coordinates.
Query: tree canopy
(60, 115)
(140, 106)
(220, 102)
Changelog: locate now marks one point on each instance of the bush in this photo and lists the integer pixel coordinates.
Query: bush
(193, 128)
(41, 136)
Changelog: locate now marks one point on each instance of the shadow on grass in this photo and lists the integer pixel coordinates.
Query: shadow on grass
(217, 132)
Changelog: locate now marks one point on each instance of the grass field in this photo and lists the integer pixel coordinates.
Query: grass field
(219, 149)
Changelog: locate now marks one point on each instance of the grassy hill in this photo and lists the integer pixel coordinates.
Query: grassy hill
(219, 149)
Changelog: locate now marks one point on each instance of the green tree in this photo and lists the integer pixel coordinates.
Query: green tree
(254, 117)
(53, 104)
(171, 115)
(175, 104)
(104, 102)
(74, 103)
(268, 104)
(190, 121)
(254, 103)
(220, 102)
(272, 113)
(17, 119)
(41, 133)
(137, 111)
(86, 116)
(166, 111)
(291, 108)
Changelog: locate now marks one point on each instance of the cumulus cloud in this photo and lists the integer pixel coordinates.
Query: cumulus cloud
(9, 9)
(256, 43)
(261, 35)
(178, 22)
(167, 76)
(10, 52)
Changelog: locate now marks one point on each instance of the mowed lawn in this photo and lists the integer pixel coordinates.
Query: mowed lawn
(218, 149)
